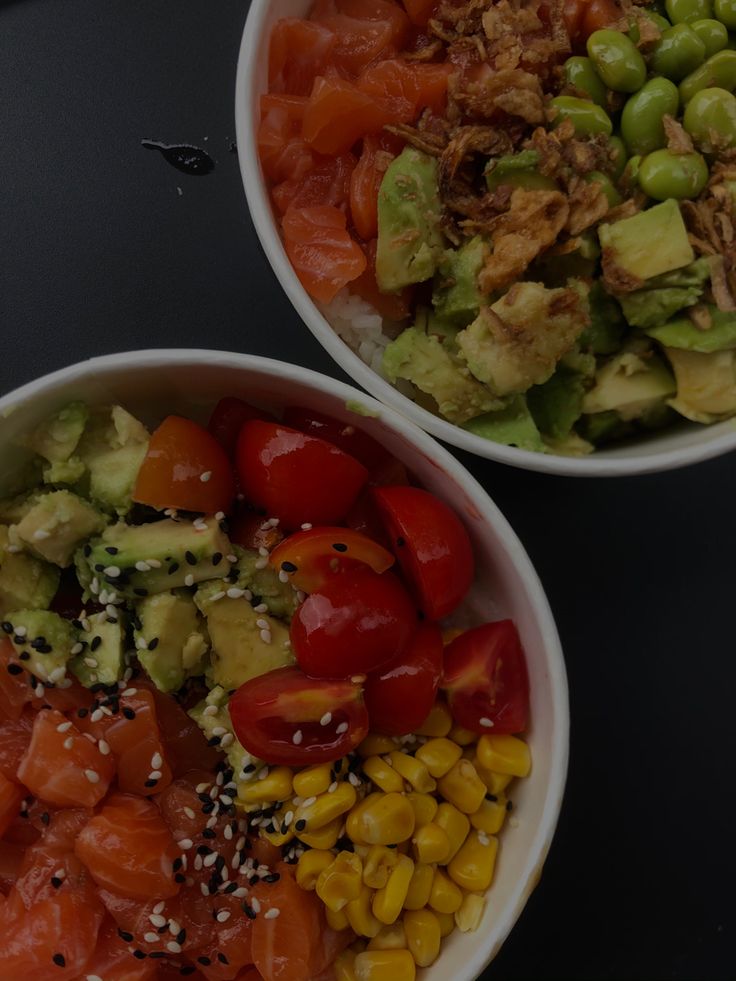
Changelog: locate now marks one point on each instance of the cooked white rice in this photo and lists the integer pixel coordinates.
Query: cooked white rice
(360, 326)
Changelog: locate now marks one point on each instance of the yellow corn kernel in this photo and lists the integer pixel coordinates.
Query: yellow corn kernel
(337, 919)
(275, 787)
(490, 816)
(414, 772)
(455, 824)
(439, 756)
(389, 938)
(446, 922)
(383, 819)
(310, 866)
(360, 917)
(344, 966)
(505, 754)
(445, 896)
(423, 936)
(432, 844)
(389, 901)
(383, 775)
(463, 787)
(376, 745)
(385, 965)
(470, 914)
(463, 737)
(325, 837)
(438, 723)
(341, 881)
(325, 808)
(377, 865)
(425, 808)
(472, 867)
(313, 781)
(495, 783)
(420, 887)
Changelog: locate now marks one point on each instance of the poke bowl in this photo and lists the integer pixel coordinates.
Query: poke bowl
(160, 804)
(348, 148)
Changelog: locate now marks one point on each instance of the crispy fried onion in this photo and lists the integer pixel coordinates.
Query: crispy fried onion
(510, 90)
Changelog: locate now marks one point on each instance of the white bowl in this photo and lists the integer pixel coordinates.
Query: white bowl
(154, 383)
(677, 447)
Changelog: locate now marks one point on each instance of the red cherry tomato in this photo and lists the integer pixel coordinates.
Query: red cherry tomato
(185, 468)
(252, 530)
(356, 623)
(344, 435)
(400, 696)
(295, 477)
(312, 558)
(431, 544)
(285, 718)
(227, 420)
(486, 679)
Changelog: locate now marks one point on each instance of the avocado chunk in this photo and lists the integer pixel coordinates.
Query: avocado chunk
(518, 170)
(603, 427)
(557, 404)
(456, 295)
(410, 242)
(647, 244)
(665, 295)
(513, 426)
(172, 640)
(706, 384)
(631, 383)
(607, 326)
(43, 641)
(571, 445)
(57, 438)
(26, 583)
(683, 334)
(264, 584)
(103, 659)
(57, 523)
(213, 718)
(139, 560)
(112, 449)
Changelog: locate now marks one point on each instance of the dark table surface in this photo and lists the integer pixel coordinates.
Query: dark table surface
(105, 247)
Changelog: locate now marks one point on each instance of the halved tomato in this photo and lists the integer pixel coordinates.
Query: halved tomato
(299, 50)
(252, 530)
(227, 420)
(311, 558)
(338, 114)
(327, 183)
(321, 250)
(283, 152)
(345, 435)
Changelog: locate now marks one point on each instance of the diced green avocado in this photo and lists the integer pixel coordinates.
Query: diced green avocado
(112, 449)
(69, 471)
(647, 244)
(264, 584)
(103, 659)
(706, 384)
(607, 326)
(456, 296)
(57, 438)
(572, 445)
(518, 170)
(632, 382)
(603, 427)
(57, 524)
(212, 713)
(683, 334)
(512, 426)
(425, 362)
(558, 404)
(138, 560)
(172, 640)
(665, 295)
(410, 242)
(26, 583)
(43, 641)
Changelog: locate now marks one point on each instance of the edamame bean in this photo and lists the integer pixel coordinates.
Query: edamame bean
(641, 120)
(657, 19)
(617, 60)
(678, 52)
(580, 72)
(725, 11)
(618, 156)
(685, 11)
(710, 119)
(598, 177)
(719, 71)
(587, 118)
(665, 175)
(713, 35)
(630, 176)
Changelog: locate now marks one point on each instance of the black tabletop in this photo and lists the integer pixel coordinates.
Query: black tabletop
(105, 247)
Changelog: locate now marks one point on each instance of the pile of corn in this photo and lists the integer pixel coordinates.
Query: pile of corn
(400, 842)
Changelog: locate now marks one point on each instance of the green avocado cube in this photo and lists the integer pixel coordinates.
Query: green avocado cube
(172, 640)
(630, 383)
(43, 641)
(456, 295)
(26, 583)
(57, 523)
(683, 334)
(57, 438)
(652, 242)
(103, 659)
(512, 426)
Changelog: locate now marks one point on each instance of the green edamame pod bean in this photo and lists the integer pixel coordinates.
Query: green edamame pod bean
(587, 118)
(580, 72)
(641, 120)
(685, 11)
(713, 35)
(719, 71)
(598, 177)
(725, 11)
(677, 53)
(665, 175)
(661, 22)
(617, 60)
(710, 119)
(618, 156)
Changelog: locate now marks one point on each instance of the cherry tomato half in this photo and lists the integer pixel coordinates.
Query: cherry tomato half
(228, 417)
(431, 544)
(486, 679)
(311, 558)
(285, 718)
(400, 696)
(356, 623)
(345, 436)
(185, 468)
(295, 477)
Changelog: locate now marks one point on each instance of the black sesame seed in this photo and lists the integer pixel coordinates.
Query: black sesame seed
(249, 768)
(15, 669)
(344, 844)
(222, 959)
(157, 954)
(186, 970)
(300, 825)
(95, 643)
(209, 807)
(204, 961)
(400, 542)
(491, 797)
(163, 929)
(128, 713)
(139, 954)
(250, 913)
(181, 937)
(288, 567)
(59, 960)
(340, 547)
(174, 567)
(87, 550)
(177, 864)
(153, 644)
(44, 648)
(24, 656)
(509, 805)
(179, 877)
(141, 592)
(273, 877)
(45, 818)
(190, 557)
(230, 887)
(19, 640)
(150, 783)
(7, 626)
(82, 713)
(99, 567)
(209, 833)
(204, 850)
(124, 935)
(216, 558)
(111, 550)
(219, 863)
(213, 741)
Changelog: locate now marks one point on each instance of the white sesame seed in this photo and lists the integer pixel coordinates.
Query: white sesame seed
(228, 832)
(217, 596)
(240, 893)
(354, 779)
(486, 723)
(240, 843)
(91, 662)
(159, 908)
(189, 580)
(309, 801)
(211, 822)
(247, 595)
(20, 631)
(92, 775)
(262, 624)
(201, 787)
(332, 788)
(205, 889)
(57, 674)
(157, 920)
(214, 792)
(174, 928)
(219, 731)
(343, 727)
(266, 636)
(60, 874)
(64, 727)
(358, 679)
(174, 947)
(271, 914)
(288, 818)
(77, 649)
(283, 576)
(39, 690)
(150, 938)
(255, 905)
(235, 593)
(307, 526)
(210, 710)
(209, 860)
(142, 566)
(204, 477)
(64, 683)
(112, 571)
(326, 719)
(40, 534)
(129, 692)
(261, 563)
(263, 773)
(219, 516)
(227, 740)
(300, 595)
(226, 800)
(223, 916)
(297, 737)
(185, 843)
(141, 643)
(231, 558)
(483, 839)
(104, 747)
(93, 977)
(263, 551)
(88, 735)
(156, 761)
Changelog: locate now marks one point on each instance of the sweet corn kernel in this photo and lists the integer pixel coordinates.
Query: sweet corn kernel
(456, 826)
(276, 786)
(463, 737)
(389, 938)
(463, 787)
(376, 745)
(326, 808)
(382, 819)
(495, 783)
(420, 887)
(360, 917)
(344, 966)
(445, 897)
(423, 936)
(389, 901)
(439, 756)
(505, 754)
(310, 866)
(341, 881)
(313, 781)
(425, 808)
(414, 772)
(470, 914)
(490, 816)
(385, 965)
(438, 723)
(472, 867)
(446, 922)
(325, 837)
(337, 919)
(377, 865)
(383, 775)
(431, 844)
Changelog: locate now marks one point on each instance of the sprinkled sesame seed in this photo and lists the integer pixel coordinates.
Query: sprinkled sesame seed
(40, 534)
(227, 740)
(235, 593)
(332, 788)
(255, 905)
(210, 710)
(77, 649)
(92, 775)
(159, 908)
(69, 742)
(156, 761)
(93, 977)
(157, 920)
(141, 643)
(271, 914)
(189, 580)
(174, 928)
(266, 636)
(150, 938)
(223, 916)
(112, 571)
(204, 477)
(343, 727)
(39, 690)
(309, 801)
(358, 679)
(104, 747)
(58, 959)
(307, 526)
(326, 719)
(219, 731)
(231, 558)
(129, 692)
(174, 947)
(217, 596)
(226, 800)
(209, 860)
(261, 563)
(64, 727)
(354, 779)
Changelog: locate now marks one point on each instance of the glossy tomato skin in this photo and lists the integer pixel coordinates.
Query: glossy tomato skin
(186, 468)
(295, 477)
(347, 437)
(431, 544)
(355, 624)
(486, 678)
(269, 710)
(227, 420)
(400, 696)
(313, 557)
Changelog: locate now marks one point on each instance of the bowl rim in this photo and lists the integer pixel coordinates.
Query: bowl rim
(598, 464)
(163, 358)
